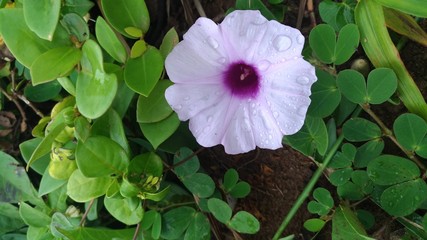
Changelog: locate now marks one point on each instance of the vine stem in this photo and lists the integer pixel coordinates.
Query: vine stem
(310, 185)
(388, 133)
(82, 222)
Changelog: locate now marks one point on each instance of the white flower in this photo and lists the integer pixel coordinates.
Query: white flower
(242, 83)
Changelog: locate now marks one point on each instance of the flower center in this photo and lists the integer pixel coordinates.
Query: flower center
(242, 80)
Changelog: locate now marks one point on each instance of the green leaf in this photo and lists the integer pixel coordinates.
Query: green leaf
(328, 11)
(361, 179)
(83, 189)
(134, 32)
(323, 40)
(344, 158)
(123, 14)
(323, 196)
(314, 224)
(366, 218)
(199, 228)
(244, 222)
(414, 7)
(404, 198)
(34, 46)
(176, 221)
(351, 130)
(313, 135)
(100, 156)
(42, 92)
(405, 25)
(240, 190)
(27, 148)
(348, 40)
(89, 233)
(230, 179)
(350, 191)
(60, 221)
(95, 90)
(170, 40)
(367, 152)
(122, 210)
(49, 184)
(146, 164)
(410, 130)
(124, 94)
(32, 216)
(9, 218)
(15, 185)
(340, 177)
(68, 85)
(80, 7)
(382, 83)
(109, 41)
(110, 125)
(138, 48)
(191, 164)
(76, 26)
(389, 170)
(158, 132)
(45, 145)
(199, 184)
(220, 210)
(55, 63)
(42, 16)
(143, 73)
(353, 86)
(345, 225)
(325, 96)
(154, 108)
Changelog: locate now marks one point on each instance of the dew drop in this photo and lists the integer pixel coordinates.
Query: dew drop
(282, 43)
(417, 198)
(212, 42)
(254, 112)
(209, 119)
(186, 98)
(275, 114)
(178, 107)
(221, 60)
(270, 136)
(300, 39)
(207, 129)
(264, 65)
(303, 80)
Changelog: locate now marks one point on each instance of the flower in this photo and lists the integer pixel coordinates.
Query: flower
(242, 83)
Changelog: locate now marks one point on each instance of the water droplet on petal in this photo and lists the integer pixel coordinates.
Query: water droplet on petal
(264, 65)
(282, 43)
(207, 129)
(300, 39)
(209, 119)
(303, 80)
(212, 42)
(221, 60)
(186, 98)
(275, 114)
(270, 136)
(178, 107)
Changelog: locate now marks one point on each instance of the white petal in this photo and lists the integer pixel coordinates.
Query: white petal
(200, 57)
(238, 137)
(187, 100)
(287, 90)
(249, 36)
(266, 131)
(209, 125)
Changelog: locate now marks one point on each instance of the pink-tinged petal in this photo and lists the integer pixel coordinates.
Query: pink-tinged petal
(242, 32)
(209, 126)
(238, 137)
(287, 89)
(266, 131)
(187, 100)
(200, 57)
(249, 36)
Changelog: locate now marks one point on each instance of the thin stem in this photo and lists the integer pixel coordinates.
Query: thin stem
(135, 235)
(21, 111)
(309, 187)
(199, 8)
(184, 160)
(388, 133)
(86, 212)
